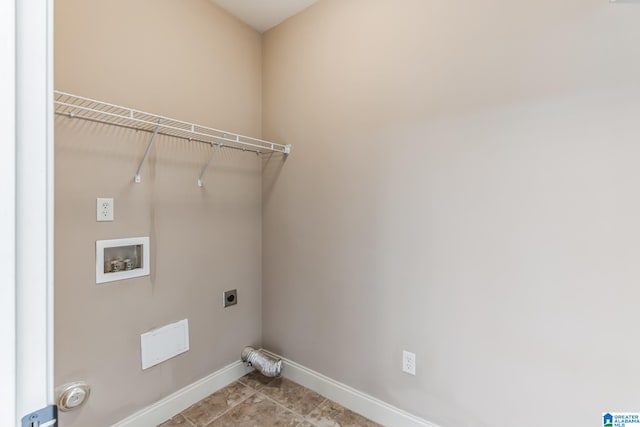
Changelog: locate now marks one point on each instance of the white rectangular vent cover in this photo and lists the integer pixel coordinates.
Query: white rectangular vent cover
(164, 343)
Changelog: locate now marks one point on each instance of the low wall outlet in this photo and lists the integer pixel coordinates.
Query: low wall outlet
(409, 362)
(104, 209)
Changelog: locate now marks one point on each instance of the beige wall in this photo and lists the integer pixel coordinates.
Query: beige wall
(187, 60)
(463, 184)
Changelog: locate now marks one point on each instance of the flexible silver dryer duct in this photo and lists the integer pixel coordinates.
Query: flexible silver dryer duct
(263, 363)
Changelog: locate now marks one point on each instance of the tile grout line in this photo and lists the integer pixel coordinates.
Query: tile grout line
(189, 423)
(254, 388)
(304, 417)
(254, 391)
(227, 410)
(326, 399)
(283, 406)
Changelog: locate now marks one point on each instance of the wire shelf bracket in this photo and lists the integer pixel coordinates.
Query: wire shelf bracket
(137, 178)
(206, 167)
(79, 107)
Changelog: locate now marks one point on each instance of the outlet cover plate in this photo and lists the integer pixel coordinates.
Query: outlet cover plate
(409, 362)
(104, 209)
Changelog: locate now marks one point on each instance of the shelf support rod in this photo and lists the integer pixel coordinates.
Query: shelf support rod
(213, 156)
(137, 178)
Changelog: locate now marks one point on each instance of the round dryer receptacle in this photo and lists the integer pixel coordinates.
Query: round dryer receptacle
(72, 395)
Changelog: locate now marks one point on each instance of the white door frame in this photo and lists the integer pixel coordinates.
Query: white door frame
(7, 212)
(26, 221)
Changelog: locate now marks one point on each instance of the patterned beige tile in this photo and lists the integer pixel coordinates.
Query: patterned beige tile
(177, 421)
(305, 424)
(255, 380)
(258, 411)
(205, 411)
(330, 414)
(292, 395)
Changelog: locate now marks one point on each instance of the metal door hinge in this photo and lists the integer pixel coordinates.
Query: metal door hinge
(41, 417)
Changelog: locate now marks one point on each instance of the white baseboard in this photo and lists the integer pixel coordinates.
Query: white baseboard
(180, 400)
(368, 406)
(357, 401)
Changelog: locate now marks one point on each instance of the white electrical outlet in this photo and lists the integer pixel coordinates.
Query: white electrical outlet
(104, 209)
(409, 362)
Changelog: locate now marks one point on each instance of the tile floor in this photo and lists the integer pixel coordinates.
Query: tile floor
(257, 401)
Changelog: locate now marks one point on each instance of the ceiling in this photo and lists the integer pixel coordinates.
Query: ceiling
(263, 14)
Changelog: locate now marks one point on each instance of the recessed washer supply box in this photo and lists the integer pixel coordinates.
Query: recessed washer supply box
(121, 259)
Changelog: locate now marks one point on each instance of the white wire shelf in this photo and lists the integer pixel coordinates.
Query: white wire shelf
(74, 106)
